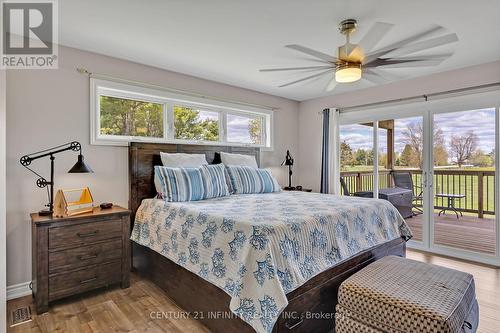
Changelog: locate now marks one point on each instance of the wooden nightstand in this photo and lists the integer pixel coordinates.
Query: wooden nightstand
(74, 254)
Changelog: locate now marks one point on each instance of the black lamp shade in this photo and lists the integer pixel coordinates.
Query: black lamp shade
(80, 166)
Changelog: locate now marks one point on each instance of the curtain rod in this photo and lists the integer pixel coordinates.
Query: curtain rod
(84, 71)
(424, 98)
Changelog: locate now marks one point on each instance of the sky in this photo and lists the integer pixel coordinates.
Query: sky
(482, 122)
(237, 126)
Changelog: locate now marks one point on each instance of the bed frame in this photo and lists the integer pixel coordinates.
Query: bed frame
(311, 307)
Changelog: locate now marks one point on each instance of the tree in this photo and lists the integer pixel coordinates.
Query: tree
(360, 157)
(121, 116)
(480, 159)
(440, 155)
(346, 156)
(369, 157)
(414, 136)
(407, 156)
(462, 147)
(255, 130)
(190, 126)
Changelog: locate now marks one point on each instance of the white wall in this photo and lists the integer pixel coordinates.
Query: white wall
(3, 254)
(310, 121)
(50, 107)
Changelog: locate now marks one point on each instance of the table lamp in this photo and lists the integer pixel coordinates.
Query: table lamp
(79, 167)
(289, 162)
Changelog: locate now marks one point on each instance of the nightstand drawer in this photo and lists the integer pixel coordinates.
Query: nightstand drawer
(84, 233)
(85, 255)
(85, 279)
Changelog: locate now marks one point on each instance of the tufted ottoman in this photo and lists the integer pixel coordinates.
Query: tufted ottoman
(399, 295)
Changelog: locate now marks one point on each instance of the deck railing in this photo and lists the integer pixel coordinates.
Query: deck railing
(477, 186)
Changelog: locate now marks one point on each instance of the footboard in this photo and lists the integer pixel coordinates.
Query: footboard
(311, 307)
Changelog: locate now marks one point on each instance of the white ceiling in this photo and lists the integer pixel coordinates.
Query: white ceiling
(229, 41)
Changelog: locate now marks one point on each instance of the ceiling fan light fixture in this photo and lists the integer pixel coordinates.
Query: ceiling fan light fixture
(349, 72)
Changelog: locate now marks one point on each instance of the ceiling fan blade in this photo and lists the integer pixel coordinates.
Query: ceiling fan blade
(332, 84)
(384, 74)
(395, 63)
(424, 57)
(373, 78)
(372, 37)
(311, 52)
(378, 53)
(306, 78)
(294, 68)
(426, 44)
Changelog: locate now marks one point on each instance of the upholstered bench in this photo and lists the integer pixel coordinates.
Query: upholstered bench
(399, 295)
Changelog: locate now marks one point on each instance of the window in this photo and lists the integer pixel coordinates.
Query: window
(122, 113)
(127, 117)
(245, 129)
(195, 124)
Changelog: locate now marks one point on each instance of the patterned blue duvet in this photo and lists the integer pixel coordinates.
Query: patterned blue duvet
(259, 247)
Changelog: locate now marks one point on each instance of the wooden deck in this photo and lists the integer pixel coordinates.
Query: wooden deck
(468, 232)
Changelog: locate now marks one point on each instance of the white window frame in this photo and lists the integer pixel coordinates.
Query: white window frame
(168, 99)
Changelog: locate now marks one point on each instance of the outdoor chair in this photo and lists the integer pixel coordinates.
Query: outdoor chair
(345, 189)
(405, 180)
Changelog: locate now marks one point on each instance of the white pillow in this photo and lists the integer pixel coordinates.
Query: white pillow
(182, 160)
(179, 160)
(238, 160)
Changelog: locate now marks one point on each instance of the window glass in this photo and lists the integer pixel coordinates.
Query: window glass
(195, 124)
(244, 129)
(128, 117)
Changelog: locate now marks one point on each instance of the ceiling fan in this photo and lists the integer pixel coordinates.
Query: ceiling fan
(357, 61)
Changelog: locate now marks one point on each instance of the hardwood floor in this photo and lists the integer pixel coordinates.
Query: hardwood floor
(110, 310)
(130, 310)
(468, 232)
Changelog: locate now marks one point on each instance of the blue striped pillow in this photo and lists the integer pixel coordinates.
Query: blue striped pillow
(247, 180)
(214, 177)
(192, 184)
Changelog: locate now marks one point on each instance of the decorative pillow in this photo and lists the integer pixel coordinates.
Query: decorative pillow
(182, 160)
(245, 180)
(191, 184)
(214, 180)
(178, 160)
(238, 159)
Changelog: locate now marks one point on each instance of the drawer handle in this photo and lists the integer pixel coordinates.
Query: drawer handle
(88, 280)
(88, 234)
(89, 256)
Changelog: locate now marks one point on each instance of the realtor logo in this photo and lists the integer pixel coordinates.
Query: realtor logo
(29, 32)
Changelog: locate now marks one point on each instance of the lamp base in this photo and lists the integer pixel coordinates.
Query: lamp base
(45, 212)
(289, 188)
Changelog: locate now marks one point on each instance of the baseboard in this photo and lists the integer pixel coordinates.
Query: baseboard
(18, 290)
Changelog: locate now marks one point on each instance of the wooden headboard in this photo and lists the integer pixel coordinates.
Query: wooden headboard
(144, 156)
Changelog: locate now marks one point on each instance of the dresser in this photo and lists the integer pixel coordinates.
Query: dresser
(75, 254)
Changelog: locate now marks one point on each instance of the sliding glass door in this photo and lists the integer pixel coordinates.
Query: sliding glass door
(356, 158)
(439, 159)
(398, 163)
(464, 181)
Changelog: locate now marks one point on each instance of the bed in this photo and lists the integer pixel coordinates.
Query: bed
(260, 262)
